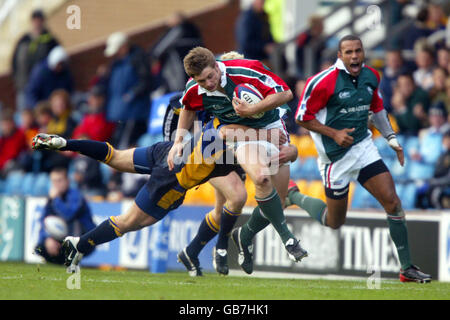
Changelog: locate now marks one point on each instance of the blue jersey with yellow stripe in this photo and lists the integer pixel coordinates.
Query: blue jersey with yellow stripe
(204, 157)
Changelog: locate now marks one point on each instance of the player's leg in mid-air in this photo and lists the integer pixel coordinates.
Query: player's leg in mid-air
(230, 199)
(143, 212)
(382, 187)
(370, 171)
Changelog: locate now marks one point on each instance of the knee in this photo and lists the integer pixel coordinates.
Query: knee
(237, 201)
(261, 179)
(392, 204)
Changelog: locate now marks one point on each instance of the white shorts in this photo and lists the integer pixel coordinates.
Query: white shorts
(272, 150)
(337, 175)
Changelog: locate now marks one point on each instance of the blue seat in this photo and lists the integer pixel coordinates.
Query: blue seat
(408, 196)
(42, 185)
(399, 173)
(13, 183)
(362, 199)
(28, 184)
(410, 143)
(384, 149)
(106, 172)
(296, 169)
(310, 169)
(420, 171)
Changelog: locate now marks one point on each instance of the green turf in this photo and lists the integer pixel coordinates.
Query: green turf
(30, 281)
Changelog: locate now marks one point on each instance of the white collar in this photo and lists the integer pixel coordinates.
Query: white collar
(223, 82)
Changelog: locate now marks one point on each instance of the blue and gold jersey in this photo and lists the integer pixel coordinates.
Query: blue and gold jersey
(204, 157)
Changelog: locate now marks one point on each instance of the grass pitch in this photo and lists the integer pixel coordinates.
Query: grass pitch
(31, 281)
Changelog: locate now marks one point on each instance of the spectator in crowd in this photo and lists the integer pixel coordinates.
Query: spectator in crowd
(424, 157)
(68, 204)
(62, 122)
(418, 30)
(310, 42)
(395, 65)
(94, 125)
(169, 50)
(43, 115)
(51, 74)
(437, 92)
(128, 90)
(423, 76)
(410, 105)
(446, 99)
(12, 143)
(436, 17)
(252, 32)
(435, 192)
(31, 48)
(443, 58)
(28, 125)
(124, 185)
(439, 186)
(45, 160)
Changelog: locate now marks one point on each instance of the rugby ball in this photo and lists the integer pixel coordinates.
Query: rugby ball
(249, 94)
(56, 227)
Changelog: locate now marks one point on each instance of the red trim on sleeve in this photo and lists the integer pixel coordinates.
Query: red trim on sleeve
(191, 100)
(316, 93)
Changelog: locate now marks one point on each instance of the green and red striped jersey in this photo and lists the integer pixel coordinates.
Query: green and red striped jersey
(235, 72)
(338, 100)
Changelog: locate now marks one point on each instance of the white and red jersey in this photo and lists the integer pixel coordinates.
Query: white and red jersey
(234, 72)
(338, 100)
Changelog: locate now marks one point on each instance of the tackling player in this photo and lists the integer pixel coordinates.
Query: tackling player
(164, 191)
(335, 106)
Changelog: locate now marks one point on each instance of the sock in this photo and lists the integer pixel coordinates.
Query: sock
(207, 230)
(101, 151)
(104, 232)
(313, 206)
(399, 235)
(273, 211)
(256, 223)
(227, 220)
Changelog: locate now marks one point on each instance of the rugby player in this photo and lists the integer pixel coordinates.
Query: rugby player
(335, 106)
(211, 88)
(205, 156)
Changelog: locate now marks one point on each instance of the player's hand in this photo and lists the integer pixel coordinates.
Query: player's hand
(287, 153)
(343, 137)
(277, 137)
(52, 246)
(393, 143)
(175, 151)
(242, 108)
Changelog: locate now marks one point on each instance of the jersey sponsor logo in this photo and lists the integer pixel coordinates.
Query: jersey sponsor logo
(364, 107)
(344, 95)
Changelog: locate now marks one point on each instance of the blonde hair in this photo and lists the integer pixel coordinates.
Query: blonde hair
(197, 60)
(231, 55)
